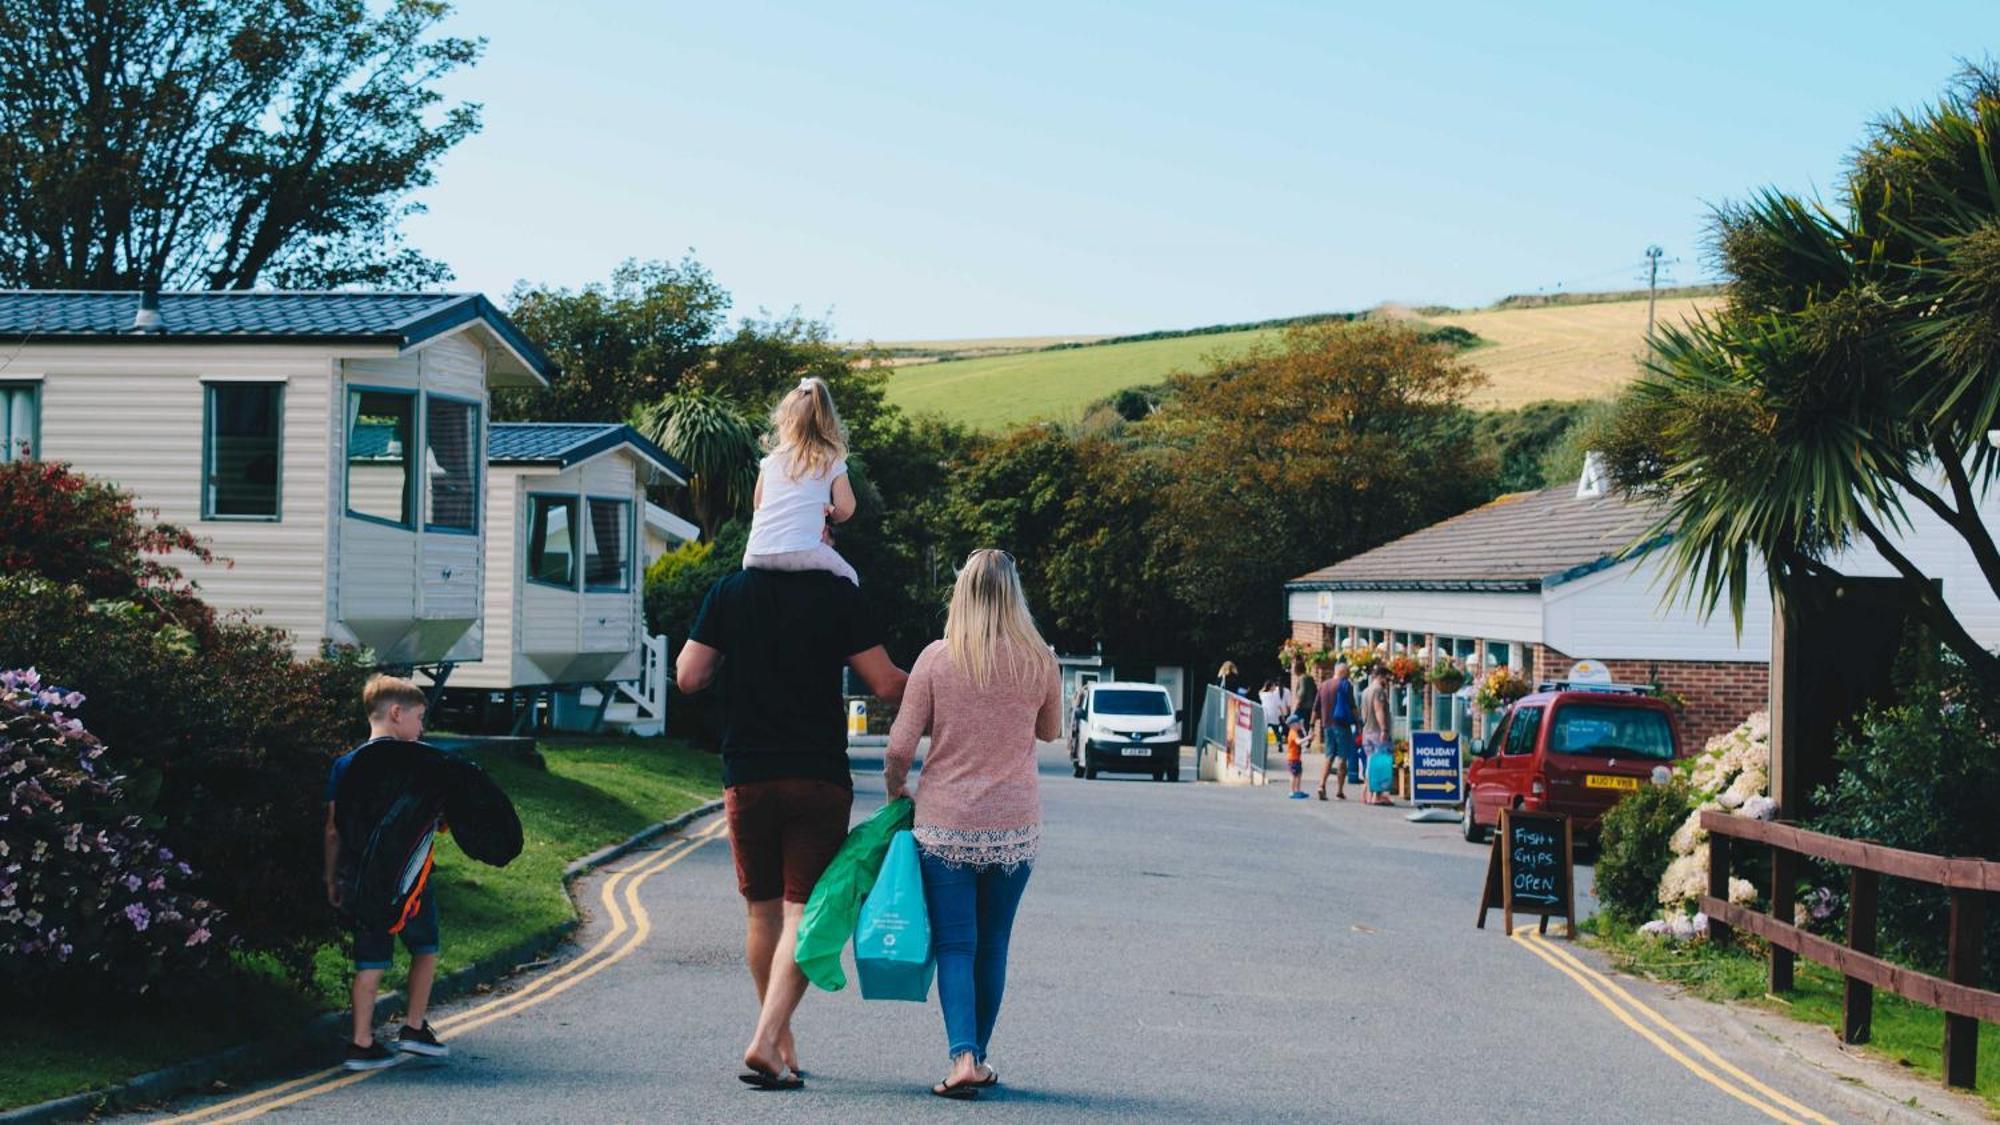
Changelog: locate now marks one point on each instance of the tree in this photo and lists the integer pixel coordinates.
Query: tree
(718, 445)
(1854, 370)
(1335, 440)
(620, 346)
(220, 143)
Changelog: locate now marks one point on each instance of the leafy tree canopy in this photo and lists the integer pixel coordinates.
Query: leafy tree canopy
(221, 144)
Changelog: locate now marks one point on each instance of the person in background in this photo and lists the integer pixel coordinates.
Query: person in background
(1277, 703)
(984, 694)
(1375, 728)
(1295, 736)
(1228, 678)
(1305, 696)
(1336, 712)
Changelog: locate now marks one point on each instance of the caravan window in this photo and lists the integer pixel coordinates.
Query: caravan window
(381, 428)
(552, 540)
(240, 451)
(20, 421)
(607, 563)
(451, 464)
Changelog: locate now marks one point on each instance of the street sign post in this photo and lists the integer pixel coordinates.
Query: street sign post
(1437, 774)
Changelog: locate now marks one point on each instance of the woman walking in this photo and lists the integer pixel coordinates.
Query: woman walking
(984, 694)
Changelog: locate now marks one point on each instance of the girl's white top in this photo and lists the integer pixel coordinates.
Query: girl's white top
(793, 513)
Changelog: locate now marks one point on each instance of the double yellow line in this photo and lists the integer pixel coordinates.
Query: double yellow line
(1699, 1060)
(629, 922)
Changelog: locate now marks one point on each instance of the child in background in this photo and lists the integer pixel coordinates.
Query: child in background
(801, 485)
(395, 711)
(1295, 756)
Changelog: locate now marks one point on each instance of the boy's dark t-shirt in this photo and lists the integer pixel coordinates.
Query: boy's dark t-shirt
(340, 765)
(785, 636)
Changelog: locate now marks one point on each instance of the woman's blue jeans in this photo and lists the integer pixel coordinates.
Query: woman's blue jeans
(972, 915)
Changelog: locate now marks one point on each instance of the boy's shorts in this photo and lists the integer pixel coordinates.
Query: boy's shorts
(374, 949)
(1297, 766)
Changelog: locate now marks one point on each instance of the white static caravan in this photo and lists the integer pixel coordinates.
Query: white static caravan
(329, 445)
(565, 606)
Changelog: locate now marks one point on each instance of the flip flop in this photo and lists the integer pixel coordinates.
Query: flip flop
(760, 1079)
(962, 1092)
(992, 1079)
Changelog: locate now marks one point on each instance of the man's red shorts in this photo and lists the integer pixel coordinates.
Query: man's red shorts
(784, 833)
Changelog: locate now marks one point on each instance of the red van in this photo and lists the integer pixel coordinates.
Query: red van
(1569, 748)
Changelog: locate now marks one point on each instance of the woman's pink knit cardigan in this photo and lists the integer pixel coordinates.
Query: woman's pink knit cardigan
(977, 801)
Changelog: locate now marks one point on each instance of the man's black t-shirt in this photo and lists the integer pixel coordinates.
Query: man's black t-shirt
(785, 636)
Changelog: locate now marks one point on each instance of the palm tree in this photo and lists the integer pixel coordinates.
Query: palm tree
(1852, 373)
(706, 433)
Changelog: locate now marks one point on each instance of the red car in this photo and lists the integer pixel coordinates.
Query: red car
(1569, 748)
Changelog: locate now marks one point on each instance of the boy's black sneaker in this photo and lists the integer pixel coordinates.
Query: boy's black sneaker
(372, 1057)
(421, 1041)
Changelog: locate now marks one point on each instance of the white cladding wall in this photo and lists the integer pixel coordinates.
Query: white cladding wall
(1499, 617)
(1941, 553)
(132, 413)
(504, 555)
(1618, 614)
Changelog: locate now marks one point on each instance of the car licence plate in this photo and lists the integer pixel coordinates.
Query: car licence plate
(1607, 781)
(1137, 751)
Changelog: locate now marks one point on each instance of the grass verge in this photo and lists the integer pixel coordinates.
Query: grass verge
(594, 793)
(1904, 1033)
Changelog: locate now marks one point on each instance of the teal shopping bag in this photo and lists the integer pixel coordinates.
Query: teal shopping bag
(892, 942)
(835, 906)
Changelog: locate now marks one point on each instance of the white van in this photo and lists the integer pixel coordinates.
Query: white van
(1128, 728)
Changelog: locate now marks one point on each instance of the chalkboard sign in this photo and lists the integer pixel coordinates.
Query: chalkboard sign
(1531, 870)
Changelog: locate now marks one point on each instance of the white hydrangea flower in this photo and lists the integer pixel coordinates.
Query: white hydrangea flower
(1741, 892)
(1759, 808)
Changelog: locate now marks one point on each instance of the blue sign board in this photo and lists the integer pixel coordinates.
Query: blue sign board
(1435, 774)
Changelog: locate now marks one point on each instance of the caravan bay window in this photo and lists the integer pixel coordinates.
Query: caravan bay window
(607, 565)
(552, 540)
(451, 459)
(20, 417)
(381, 428)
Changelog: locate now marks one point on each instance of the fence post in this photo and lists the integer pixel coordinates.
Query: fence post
(1719, 932)
(1858, 1006)
(1961, 1033)
(1784, 888)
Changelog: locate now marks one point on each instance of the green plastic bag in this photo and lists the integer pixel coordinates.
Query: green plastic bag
(835, 905)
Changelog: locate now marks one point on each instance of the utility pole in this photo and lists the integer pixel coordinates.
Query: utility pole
(1653, 254)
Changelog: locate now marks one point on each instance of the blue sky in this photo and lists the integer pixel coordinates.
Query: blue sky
(957, 169)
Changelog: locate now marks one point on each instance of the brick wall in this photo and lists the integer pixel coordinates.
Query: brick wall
(1719, 693)
(1312, 633)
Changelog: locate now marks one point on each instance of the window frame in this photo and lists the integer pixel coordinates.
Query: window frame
(535, 502)
(208, 389)
(625, 571)
(478, 463)
(34, 389)
(412, 457)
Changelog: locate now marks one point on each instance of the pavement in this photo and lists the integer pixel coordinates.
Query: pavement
(1184, 952)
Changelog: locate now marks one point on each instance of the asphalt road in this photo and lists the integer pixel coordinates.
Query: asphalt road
(1184, 952)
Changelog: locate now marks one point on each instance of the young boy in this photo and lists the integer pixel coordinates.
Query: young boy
(1294, 755)
(395, 711)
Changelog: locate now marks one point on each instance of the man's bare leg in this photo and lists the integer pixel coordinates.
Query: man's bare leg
(760, 945)
(784, 987)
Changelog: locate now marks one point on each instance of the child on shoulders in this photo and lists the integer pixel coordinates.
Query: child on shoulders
(802, 485)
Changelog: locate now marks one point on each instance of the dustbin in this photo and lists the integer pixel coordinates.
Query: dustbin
(857, 718)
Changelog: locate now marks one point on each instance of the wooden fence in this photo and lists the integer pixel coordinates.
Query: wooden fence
(1958, 994)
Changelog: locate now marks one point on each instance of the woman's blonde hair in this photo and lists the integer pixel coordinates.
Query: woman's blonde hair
(807, 428)
(988, 630)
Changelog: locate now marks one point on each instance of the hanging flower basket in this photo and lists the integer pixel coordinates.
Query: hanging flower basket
(1403, 669)
(1445, 676)
(1500, 687)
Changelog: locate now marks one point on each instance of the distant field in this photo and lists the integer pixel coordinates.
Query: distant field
(1555, 352)
(1003, 390)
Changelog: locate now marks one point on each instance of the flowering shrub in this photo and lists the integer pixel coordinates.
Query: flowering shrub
(88, 899)
(1633, 851)
(1500, 687)
(221, 737)
(1732, 774)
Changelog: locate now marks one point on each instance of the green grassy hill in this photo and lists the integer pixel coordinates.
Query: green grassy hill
(994, 392)
(1572, 349)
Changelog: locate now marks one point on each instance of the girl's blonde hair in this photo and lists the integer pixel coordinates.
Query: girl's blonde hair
(988, 630)
(807, 428)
